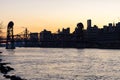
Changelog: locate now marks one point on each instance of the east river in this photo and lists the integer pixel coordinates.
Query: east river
(63, 64)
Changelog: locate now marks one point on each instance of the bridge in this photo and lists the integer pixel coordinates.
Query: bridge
(12, 38)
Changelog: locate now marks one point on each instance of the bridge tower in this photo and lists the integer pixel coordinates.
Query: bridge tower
(10, 37)
(26, 37)
(26, 33)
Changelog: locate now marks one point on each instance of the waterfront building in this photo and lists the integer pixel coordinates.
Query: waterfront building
(89, 24)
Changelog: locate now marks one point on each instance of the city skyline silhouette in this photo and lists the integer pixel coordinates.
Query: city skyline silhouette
(92, 37)
(60, 39)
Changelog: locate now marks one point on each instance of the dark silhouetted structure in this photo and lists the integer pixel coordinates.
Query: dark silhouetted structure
(92, 37)
(89, 23)
(10, 37)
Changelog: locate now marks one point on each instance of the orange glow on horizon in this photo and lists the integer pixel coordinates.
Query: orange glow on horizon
(52, 26)
(52, 15)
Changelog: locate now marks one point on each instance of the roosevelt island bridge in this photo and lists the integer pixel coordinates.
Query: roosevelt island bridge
(11, 39)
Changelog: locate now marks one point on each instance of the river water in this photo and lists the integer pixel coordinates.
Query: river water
(63, 64)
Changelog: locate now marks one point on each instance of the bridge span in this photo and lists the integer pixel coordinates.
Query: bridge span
(12, 38)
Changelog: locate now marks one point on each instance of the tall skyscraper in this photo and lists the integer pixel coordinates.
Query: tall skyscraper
(88, 23)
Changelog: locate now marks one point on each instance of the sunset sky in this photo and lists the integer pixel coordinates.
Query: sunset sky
(37, 15)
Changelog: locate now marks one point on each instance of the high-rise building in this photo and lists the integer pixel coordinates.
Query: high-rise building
(88, 23)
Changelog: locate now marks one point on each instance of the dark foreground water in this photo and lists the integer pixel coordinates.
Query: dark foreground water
(63, 64)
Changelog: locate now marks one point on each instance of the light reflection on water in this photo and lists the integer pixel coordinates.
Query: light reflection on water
(64, 64)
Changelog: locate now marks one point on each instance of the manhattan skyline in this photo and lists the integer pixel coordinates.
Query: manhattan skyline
(52, 15)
